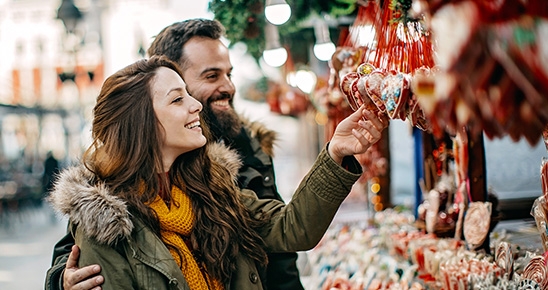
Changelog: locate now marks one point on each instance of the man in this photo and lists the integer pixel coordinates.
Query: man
(195, 44)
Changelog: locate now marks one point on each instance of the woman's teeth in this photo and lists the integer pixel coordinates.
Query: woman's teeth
(193, 125)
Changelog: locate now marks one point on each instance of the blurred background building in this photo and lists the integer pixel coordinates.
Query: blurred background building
(55, 57)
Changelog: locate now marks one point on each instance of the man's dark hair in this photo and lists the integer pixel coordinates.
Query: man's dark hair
(170, 40)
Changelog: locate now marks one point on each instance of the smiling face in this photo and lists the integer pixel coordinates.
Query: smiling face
(207, 72)
(178, 115)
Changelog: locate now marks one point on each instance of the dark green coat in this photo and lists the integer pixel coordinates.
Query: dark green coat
(140, 260)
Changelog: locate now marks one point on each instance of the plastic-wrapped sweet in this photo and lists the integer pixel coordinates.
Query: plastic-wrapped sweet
(477, 223)
(539, 212)
(505, 258)
(536, 270)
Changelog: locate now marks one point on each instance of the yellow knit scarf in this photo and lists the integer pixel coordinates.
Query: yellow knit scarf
(175, 222)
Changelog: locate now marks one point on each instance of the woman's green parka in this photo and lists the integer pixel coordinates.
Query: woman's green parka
(132, 257)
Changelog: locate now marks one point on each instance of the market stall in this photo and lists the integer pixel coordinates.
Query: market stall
(457, 71)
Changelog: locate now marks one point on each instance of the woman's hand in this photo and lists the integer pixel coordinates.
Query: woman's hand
(356, 133)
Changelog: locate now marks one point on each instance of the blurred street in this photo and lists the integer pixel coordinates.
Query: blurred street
(26, 242)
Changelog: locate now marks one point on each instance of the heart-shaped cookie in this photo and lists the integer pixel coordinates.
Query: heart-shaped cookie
(416, 115)
(360, 95)
(346, 89)
(373, 85)
(394, 93)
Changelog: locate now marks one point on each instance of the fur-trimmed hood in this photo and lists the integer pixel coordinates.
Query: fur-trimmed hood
(266, 137)
(103, 216)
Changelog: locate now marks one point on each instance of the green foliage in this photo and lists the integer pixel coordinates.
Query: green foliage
(244, 20)
(401, 7)
(304, 8)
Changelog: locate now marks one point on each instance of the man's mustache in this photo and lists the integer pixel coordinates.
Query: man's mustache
(222, 96)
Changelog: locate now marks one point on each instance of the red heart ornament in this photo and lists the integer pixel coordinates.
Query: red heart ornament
(394, 93)
(373, 85)
(346, 89)
(360, 95)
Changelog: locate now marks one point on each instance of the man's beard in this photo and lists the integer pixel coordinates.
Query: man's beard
(222, 124)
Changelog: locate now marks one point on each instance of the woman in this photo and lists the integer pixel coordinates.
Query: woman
(158, 208)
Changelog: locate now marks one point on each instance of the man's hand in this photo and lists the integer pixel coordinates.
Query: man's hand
(86, 278)
(356, 133)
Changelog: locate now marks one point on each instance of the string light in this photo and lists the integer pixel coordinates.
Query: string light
(306, 80)
(324, 47)
(274, 55)
(277, 12)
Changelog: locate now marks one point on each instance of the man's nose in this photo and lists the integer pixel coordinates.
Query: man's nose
(228, 86)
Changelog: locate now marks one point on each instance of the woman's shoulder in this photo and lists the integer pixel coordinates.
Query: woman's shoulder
(226, 157)
(90, 206)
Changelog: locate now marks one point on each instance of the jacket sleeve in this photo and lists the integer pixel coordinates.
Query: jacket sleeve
(61, 251)
(114, 266)
(299, 225)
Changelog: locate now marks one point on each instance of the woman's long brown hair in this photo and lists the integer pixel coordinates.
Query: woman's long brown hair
(125, 154)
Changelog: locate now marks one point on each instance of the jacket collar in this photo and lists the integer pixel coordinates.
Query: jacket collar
(267, 138)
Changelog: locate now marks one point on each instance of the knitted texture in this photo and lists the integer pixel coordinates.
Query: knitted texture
(176, 222)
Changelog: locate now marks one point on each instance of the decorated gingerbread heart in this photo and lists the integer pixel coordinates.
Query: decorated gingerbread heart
(373, 85)
(360, 95)
(394, 93)
(416, 115)
(346, 89)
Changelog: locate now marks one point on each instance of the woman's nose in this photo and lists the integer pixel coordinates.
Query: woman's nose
(196, 106)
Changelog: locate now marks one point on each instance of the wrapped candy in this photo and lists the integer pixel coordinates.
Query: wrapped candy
(536, 271)
(504, 258)
(477, 223)
(538, 211)
(544, 177)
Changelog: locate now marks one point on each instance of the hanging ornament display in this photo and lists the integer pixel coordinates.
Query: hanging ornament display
(490, 71)
(403, 44)
(363, 31)
(400, 46)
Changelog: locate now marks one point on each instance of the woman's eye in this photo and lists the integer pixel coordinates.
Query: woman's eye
(178, 99)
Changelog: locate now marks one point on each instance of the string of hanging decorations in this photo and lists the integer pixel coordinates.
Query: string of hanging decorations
(445, 65)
